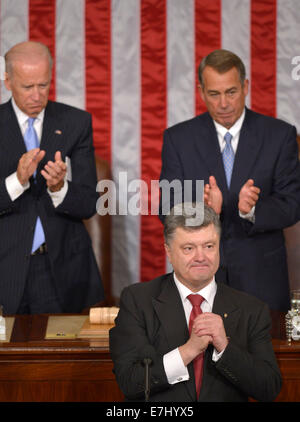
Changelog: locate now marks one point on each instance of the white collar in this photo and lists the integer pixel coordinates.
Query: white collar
(21, 116)
(234, 130)
(208, 292)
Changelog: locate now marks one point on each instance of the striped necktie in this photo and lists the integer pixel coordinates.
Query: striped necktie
(228, 157)
(31, 142)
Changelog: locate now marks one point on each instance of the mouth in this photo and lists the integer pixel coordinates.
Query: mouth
(199, 266)
(225, 115)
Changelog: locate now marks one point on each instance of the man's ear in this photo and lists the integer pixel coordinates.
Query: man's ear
(167, 249)
(7, 81)
(246, 87)
(200, 88)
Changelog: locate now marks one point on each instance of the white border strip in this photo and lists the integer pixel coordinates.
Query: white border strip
(126, 132)
(70, 52)
(236, 33)
(14, 28)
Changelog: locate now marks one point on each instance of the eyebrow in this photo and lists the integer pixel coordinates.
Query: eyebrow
(227, 90)
(194, 244)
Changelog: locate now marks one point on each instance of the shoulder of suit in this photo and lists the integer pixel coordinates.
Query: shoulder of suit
(268, 121)
(240, 298)
(6, 106)
(151, 287)
(62, 108)
(190, 124)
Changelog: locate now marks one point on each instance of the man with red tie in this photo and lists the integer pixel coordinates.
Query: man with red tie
(206, 341)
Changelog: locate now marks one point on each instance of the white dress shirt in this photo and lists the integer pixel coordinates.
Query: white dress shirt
(13, 186)
(235, 131)
(174, 367)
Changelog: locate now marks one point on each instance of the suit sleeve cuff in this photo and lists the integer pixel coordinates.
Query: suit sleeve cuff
(59, 196)
(14, 187)
(217, 355)
(250, 216)
(174, 367)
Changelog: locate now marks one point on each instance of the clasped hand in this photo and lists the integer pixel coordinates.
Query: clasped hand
(208, 328)
(211, 326)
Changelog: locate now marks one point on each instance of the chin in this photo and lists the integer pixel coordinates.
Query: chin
(34, 113)
(199, 277)
(227, 125)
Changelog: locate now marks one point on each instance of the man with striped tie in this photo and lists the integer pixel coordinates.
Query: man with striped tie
(47, 186)
(249, 164)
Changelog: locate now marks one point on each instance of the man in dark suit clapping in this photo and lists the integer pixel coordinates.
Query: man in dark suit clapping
(250, 168)
(47, 187)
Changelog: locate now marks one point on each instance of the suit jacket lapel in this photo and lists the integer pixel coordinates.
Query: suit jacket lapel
(169, 309)
(51, 136)
(170, 312)
(246, 155)
(224, 307)
(11, 136)
(229, 312)
(52, 130)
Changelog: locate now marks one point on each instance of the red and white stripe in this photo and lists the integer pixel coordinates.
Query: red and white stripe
(133, 65)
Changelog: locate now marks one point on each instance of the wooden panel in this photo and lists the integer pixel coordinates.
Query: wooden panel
(288, 358)
(80, 370)
(59, 391)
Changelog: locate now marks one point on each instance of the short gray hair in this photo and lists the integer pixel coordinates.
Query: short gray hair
(21, 49)
(181, 214)
(222, 61)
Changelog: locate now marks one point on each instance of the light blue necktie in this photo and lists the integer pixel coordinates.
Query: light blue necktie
(31, 141)
(228, 157)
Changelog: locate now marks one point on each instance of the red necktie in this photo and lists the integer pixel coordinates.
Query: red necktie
(196, 301)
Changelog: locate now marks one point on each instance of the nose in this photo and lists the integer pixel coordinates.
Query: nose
(223, 101)
(35, 93)
(199, 255)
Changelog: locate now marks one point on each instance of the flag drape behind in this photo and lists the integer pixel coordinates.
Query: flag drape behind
(133, 65)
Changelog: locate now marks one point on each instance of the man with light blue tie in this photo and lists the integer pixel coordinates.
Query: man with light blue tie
(249, 164)
(47, 187)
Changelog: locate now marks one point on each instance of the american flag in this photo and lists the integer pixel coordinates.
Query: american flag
(133, 65)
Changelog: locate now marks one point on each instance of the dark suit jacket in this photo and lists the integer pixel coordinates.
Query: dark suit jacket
(151, 322)
(254, 255)
(73, 264)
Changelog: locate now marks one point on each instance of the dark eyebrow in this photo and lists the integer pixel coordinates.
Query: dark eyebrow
(211, 91)
(233, 88)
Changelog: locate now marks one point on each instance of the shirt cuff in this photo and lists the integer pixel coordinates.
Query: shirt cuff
(175, 369)
(14, 187)
(249, 216)
(216, 356)
(58, 196)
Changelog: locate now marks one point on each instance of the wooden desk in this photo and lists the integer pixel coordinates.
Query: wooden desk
(288, 357)
(80, 370)
(34, 369)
